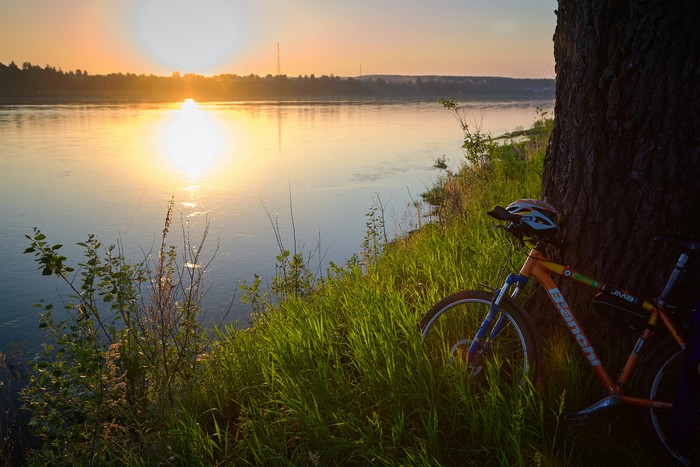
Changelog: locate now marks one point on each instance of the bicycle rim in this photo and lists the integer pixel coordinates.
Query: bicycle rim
(661, 384)
(449, 328)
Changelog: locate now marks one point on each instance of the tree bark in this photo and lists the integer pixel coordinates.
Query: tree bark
(623, 161)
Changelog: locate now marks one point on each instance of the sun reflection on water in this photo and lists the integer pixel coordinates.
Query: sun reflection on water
(192, 202)
(192, 141)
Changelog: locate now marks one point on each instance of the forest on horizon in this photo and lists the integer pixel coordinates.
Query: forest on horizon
(36, 83)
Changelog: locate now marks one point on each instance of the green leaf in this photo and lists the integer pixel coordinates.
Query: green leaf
(30, 250)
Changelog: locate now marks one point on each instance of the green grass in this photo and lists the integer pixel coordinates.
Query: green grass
(341, 378)
(339, 375)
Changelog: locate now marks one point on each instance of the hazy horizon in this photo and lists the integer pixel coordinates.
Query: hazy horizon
(212, 37)
(19, 64)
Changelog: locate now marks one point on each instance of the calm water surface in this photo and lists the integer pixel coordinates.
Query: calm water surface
(110, 170)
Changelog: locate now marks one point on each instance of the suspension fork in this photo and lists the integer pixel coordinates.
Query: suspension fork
(494, 321)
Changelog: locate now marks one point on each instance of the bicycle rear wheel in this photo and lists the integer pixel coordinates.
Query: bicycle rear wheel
(659, 381)
(449, 329)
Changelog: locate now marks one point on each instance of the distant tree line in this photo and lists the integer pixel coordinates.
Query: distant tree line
(35, 82)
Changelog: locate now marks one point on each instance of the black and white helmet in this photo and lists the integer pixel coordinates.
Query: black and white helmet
(536, 214)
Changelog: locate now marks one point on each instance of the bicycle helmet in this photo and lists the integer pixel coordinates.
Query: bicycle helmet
(536, 214)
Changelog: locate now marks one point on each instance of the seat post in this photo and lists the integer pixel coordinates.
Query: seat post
(678, 270)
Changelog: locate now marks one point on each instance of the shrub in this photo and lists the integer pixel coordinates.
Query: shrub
(127, 340)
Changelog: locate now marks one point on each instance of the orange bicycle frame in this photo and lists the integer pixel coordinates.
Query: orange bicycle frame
(537, 265)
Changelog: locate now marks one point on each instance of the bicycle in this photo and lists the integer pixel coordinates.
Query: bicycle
(474, 328)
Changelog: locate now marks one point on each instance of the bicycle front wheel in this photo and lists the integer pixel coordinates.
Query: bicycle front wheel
(659, 381)
(509, 349)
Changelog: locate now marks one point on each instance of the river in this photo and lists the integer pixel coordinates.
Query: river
(315, 168)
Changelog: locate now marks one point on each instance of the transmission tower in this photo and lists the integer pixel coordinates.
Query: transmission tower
(279, 68)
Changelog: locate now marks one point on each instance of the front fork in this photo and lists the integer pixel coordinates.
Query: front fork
(494, 321)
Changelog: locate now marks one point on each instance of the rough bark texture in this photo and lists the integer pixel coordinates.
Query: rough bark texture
(623, 162)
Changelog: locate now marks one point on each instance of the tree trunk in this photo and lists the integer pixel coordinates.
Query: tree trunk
(623, 163)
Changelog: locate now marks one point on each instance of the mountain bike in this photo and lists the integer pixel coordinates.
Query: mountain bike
(473, 329)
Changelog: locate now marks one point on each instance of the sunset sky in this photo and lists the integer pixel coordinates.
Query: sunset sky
(345, 38)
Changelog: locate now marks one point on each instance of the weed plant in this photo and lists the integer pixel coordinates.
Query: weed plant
(332, 371)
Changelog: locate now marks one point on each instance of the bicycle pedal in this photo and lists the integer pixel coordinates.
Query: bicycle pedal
(577, 419)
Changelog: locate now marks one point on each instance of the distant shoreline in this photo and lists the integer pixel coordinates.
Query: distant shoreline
(340, 100)
(36, 84)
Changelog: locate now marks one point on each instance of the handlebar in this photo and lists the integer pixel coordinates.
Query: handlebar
(502, 214)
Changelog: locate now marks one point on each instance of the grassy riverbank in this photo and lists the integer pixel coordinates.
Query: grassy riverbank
(332, 373)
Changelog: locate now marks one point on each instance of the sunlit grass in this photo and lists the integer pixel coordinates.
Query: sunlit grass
(342, 378)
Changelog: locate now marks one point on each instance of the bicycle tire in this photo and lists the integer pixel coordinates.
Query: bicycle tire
(449, 327)
(659, 380)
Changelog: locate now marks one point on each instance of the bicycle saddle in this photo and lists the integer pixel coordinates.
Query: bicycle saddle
(687, 243)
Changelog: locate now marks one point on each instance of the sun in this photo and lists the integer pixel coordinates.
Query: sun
(192, 141)
(192, 36)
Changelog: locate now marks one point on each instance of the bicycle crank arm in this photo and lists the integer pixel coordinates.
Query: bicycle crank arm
(582, 416)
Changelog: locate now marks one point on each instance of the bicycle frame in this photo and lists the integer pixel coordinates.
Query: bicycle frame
(540, 267)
